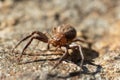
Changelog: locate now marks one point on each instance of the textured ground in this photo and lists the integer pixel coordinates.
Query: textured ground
(97, 21)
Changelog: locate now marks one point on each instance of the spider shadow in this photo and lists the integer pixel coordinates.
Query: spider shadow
(38, 54)
(85, 71)
(89, 55)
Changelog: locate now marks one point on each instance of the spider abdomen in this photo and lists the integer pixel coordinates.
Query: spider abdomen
(70, 34)
(69, 31)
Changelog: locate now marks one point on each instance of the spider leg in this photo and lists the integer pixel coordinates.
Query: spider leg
(21, 42)
(45, 38)
(75, 40)
(34, 37)
(82, 56)
(65, 55)
(80, 40)
(27, 46)
(48, 46)
(73, 46)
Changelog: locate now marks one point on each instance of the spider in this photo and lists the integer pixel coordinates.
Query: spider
(62, 36)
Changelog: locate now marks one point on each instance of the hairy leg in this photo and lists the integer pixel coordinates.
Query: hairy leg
(82, 56)
(44, 38)
(65, 55)
(80, 40)
(77, 46)
(34, 37)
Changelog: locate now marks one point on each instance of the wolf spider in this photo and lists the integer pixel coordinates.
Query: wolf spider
(63, 36)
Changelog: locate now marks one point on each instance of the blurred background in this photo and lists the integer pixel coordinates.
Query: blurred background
(94, 20)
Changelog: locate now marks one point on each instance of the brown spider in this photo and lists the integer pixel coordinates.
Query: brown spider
(63, 36)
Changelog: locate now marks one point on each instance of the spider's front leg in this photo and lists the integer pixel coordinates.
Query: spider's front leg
(34, 35)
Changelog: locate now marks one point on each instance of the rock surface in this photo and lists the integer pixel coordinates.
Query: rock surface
(97, 21)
